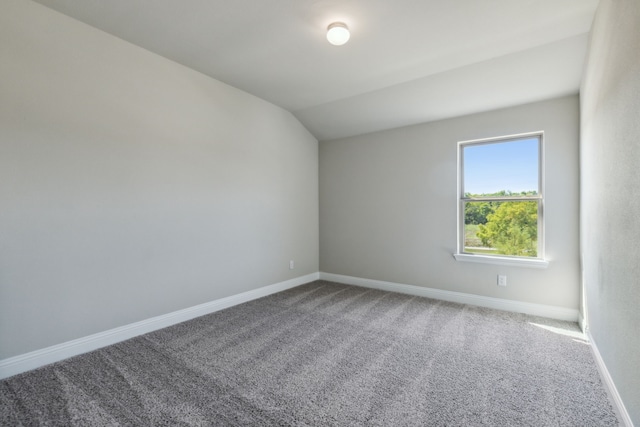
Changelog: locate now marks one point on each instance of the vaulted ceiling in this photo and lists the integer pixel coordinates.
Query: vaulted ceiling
(408, 61)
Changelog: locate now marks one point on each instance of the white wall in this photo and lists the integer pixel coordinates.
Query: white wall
(610, 196)
(131, 186)
(388, 205)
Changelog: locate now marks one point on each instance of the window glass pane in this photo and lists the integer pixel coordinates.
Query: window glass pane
(501, 168)
(501, 228)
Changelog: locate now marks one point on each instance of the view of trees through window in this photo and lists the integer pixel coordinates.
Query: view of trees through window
(501, 227)
(500, 197)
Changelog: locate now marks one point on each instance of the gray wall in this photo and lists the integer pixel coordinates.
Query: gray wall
(610, 196)
(131, 186)
(388, 205)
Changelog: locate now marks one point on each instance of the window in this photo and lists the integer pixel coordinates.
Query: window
(500, 200)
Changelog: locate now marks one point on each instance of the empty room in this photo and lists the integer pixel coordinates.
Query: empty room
(320, 212)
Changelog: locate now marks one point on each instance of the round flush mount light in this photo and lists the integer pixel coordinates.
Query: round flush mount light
(338, 33)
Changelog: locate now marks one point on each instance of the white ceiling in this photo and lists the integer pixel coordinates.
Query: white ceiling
(408, 61)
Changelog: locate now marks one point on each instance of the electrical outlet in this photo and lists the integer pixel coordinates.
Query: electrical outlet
(502, 280)
(291, 265)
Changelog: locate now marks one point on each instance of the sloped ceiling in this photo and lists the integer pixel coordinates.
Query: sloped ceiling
(408, 61)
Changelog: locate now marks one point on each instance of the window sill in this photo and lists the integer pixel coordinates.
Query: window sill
(516, 262)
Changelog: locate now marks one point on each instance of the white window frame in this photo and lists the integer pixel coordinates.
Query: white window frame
(460, 255)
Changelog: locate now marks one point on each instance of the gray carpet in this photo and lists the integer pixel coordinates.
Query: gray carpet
(325, 354)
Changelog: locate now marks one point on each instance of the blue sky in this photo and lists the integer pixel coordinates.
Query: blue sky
(512, 165)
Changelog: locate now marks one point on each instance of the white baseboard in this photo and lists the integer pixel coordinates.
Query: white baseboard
(549, 311)
(35, 359)
(582, 323)
(609, 384)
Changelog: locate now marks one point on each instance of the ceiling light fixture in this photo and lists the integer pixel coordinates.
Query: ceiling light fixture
(338, 33)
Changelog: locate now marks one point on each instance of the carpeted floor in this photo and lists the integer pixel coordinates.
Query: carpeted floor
(325, 354)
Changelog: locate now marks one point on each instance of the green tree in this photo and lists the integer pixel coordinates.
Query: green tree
(512, 229)
(477, 212)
